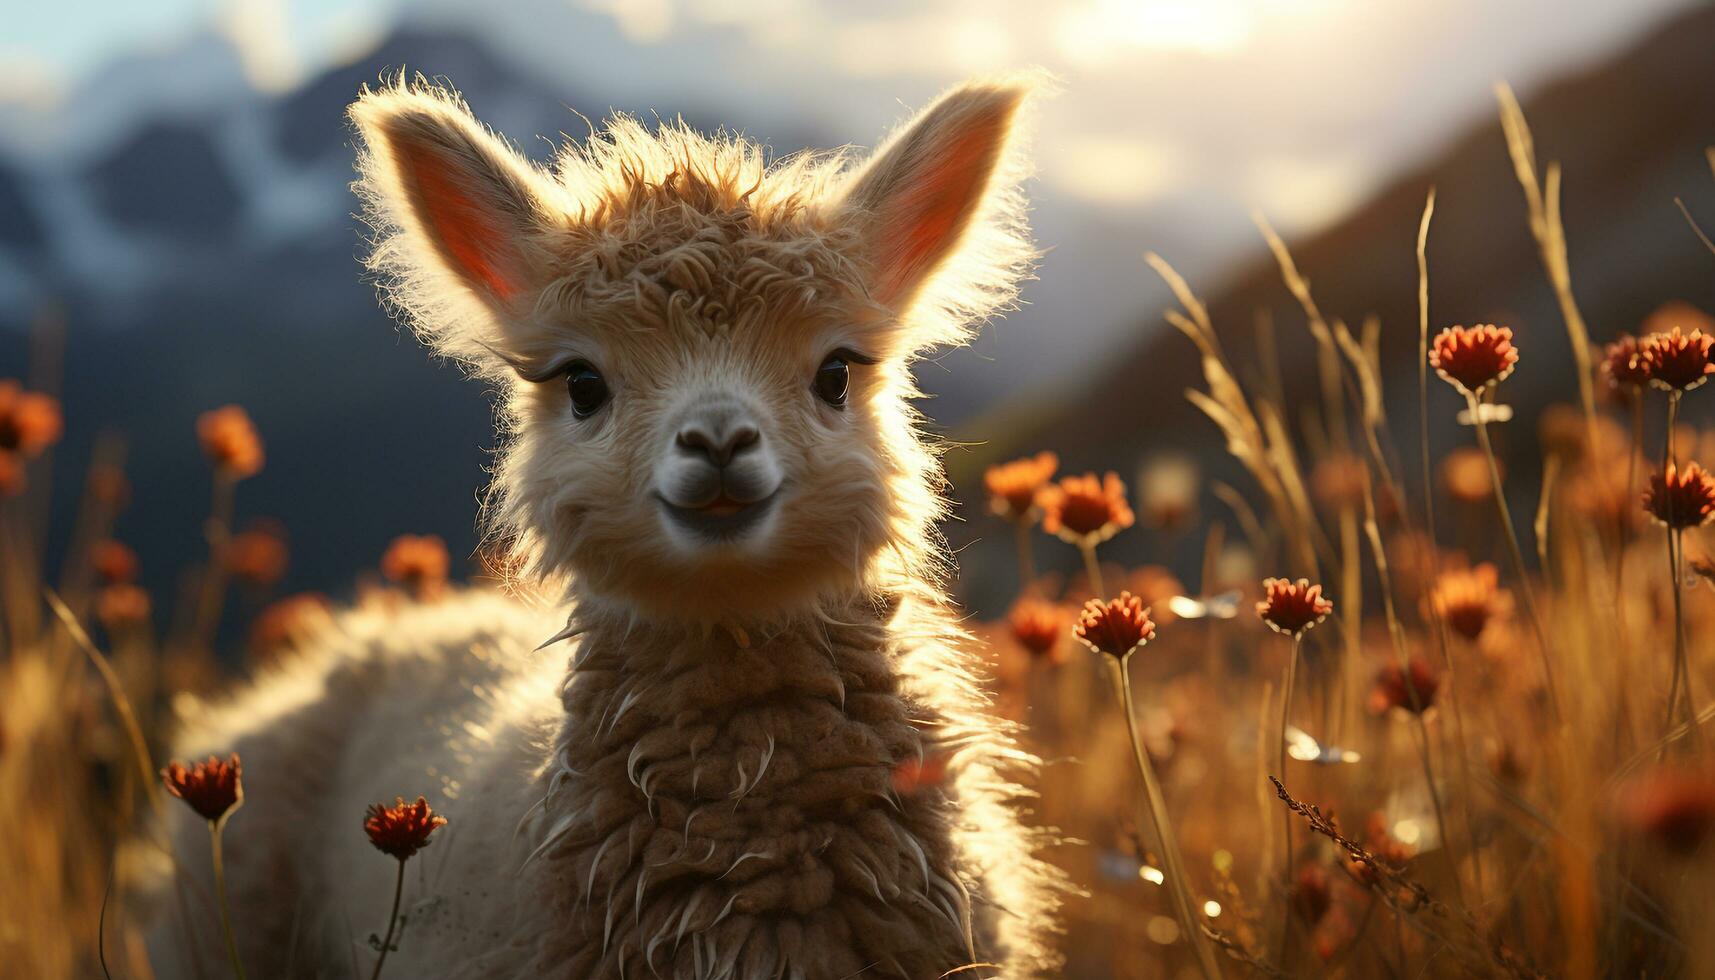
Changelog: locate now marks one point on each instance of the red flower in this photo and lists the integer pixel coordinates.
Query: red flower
(121, 606)
(1677, 361)
(213, 788)
(1472, 359)
(1116, 627)
(1292, 607)
(114, 561)
(29, 421)
(1081, 508)
(1622, 362)
(1038, 626)
(1012, 487)
(417, 561)
(1412, 689)
(402, 829)
(1468, 599)
(1681, 498)
(258, 554)
(289, 622)
(1311, 893)
(230, 441)
(1675, 806)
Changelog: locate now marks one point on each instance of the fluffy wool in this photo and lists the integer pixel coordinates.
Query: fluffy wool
(719, 781)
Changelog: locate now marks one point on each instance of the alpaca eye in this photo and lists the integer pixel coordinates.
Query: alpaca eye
(833, 379)
(588, 390)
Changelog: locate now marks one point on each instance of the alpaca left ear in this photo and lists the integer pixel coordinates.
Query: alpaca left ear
(942, 190)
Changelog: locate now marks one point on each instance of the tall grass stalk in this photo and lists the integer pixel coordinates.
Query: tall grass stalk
(214, 832)
(1514, 553)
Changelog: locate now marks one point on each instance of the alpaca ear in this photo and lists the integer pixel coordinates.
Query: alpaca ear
(942, 186)
(458, 215)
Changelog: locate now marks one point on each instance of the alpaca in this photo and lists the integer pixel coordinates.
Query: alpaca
(727, 760)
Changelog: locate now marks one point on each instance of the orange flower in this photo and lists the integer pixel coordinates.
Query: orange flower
(1412, 689)
(114, 561)
(1466, 599)
(1681, 498)
(1311, 893)
(1084, 508)
(419, 562)
(1675, 806)
(1117, 627)
(289, 621)
(1012, 487)
(213, 788)
(29, 421)
(916, 775)
(1623, 364)
(230, 441)
(402, 829)
(1475, 358)
(1465, 475)
(1038, 627)
(258, 554)
(122, 606)
(1677, 361)
(1292, 607)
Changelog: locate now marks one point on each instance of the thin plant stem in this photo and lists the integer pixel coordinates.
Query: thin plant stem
(1514, 553)
(1681, 681)
(1026, 560)
(1092, 567)
(1178, 884)
(214, 828)
(392, 921)
(1280, 746)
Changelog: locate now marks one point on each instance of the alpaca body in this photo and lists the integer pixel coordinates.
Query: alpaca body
(677, 803)
(769, 756)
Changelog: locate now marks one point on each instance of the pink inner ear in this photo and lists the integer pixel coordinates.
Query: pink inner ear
(457, 221)
(927, 218)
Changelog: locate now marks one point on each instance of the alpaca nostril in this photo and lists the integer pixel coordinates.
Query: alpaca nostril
(719, 449)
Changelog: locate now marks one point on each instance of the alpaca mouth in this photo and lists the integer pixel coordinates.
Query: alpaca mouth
(722, 518)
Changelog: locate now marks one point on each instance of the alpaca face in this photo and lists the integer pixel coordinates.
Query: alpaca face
(706, 357)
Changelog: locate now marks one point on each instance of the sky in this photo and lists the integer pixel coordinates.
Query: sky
(1175, 121)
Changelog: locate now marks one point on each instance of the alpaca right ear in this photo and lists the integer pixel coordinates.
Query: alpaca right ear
(458, 214)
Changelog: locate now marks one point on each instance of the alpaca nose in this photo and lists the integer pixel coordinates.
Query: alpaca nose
(719, 442)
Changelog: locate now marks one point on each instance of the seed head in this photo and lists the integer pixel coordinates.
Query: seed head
(1117, 627)
(1472, 359)
(1012, 487)
(1292, 607)
(213, 788)
(402, 829)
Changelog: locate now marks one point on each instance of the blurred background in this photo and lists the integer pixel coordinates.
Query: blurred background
(176, 232)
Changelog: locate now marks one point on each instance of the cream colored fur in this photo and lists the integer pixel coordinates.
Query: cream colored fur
(701, 783)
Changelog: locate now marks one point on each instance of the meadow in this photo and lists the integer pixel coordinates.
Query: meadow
(1395, 737)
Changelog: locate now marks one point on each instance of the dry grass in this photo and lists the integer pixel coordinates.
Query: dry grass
(1493, 773)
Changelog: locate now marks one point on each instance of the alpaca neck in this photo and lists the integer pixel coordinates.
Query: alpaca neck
(708, 792)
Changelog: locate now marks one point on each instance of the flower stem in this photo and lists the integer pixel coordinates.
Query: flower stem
(1178, 884)
(1280, 743)
(1092, 567)
(392, 921)
(214, 827)
(1514, 553)
(1026, 562)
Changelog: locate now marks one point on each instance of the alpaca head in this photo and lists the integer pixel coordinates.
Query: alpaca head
(705, 357)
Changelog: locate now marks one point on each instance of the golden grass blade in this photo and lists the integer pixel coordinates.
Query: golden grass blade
(115, 690)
